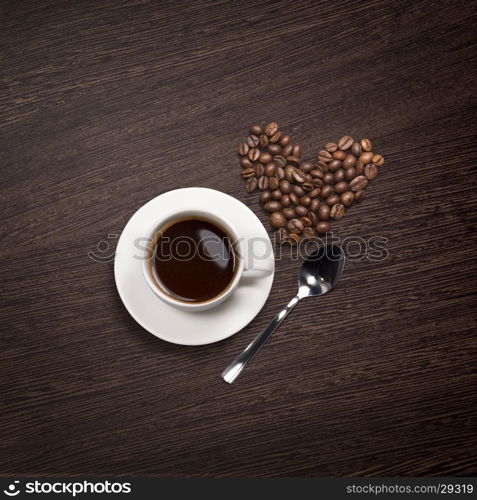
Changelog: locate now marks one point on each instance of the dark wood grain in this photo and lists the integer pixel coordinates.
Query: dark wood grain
(104, 105)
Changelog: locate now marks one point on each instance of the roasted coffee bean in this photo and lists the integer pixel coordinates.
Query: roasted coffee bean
(276, 194)
(341, 187)
(356, 149)
(321, 165)
(285, 201)
(259, 170)
(243, 149)
(339, 155)
(317, 173)
(253, 154)
(313, 217)
(331, 147)
(333, 199)
(275, 149)
(370, 171)
(293, 239)
(337, 211)
(322, 227)
(297, 150)
(277, 220)
(314, 193)
(295, 226)
(247, 173)
(366, 157)
(287, 150)
(263, 183)
(271, 128)
(345, 142)
(350, 173)
(281, 235)
(359, 195)
(329, 178)
(270, 169)
(347, 198)
(265, 197)
(255, 129)
(324, 156)
(349, 161)
(324, 212)
(307, 166)
(314, 205)
(294, 198)
(305, 201)
(299, 176)
(326, 191)
(308, 186)
(298, 190)
(306, 221)
(284, 140)
(289, 173)
(378, 160)
(339, 175)
(273, 183)
(251, 184)
(308, 233)
(263, 141)
(276, 137)
(301, 211)
(366, 145)
(285, 186)
(265, 158)
(272, 206)
(358, 183)
(334, 165)
(280, 173)
(359, 167)
(252, 141)
(279, 161)
(289, 213)
(293, 160)
(246, 163)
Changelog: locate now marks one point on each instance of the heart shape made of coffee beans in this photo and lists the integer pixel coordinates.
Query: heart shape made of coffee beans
(303, 195)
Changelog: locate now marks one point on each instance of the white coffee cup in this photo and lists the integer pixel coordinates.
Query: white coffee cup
(243, 268)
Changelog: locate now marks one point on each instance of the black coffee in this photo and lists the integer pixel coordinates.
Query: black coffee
(194, 260)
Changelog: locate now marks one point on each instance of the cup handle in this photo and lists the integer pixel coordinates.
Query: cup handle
(256, 272)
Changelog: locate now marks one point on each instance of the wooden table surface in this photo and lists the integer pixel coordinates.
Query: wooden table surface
(105, 104)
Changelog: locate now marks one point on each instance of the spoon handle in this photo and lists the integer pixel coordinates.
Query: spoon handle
(239, 363)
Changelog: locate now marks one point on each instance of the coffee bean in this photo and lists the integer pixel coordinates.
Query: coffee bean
(317, 173)
(366, 157)
(359, 167)
(289, 173)
(378, 160)
(265, 196)
(308, 186)
(326, 191)
(324, 156)
(321, 165)
(293, 239)
(281, 235)
(322, 227)
(314, 193)
(347, 198)
(305, 201)
(334, 165)
(341, 187)
(331, 147)
(356, 149)
(333, 199)
(252, 141)
(255, 129)
(293, 160)
(298, 190)
(339, 175)
(243, 149)
(246, 163)
(270, 169)
(294, 198)
(275, 149)
(306, 221)
(285, 201)
(370, 171)
(299, 176)
(287, 150)
(301, 211)
(276, 137)
(308, 233)
(263, 141)
(273, 183)
(350, 173)
(271, 128)
(251, 184)
(366, 145)
(324, 212)
(279, 161)
(253, 154)
(359, 195)
(349, 161)
(259, 170)
(285, 186)
(295, 226)
(263, 183)
(329, 178)
(337, 211)
(272, 206)
(345, 142)
(284, 140)
(307, 166)
(339, 155)
(313, 217)
(297, 150)
(277, 220)
(247, 173)
(265, 158)
(359, 183)
(280, 173)
(276, 194)
(289, 213)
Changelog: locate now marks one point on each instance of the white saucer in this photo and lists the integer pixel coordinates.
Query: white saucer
(165, 321)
